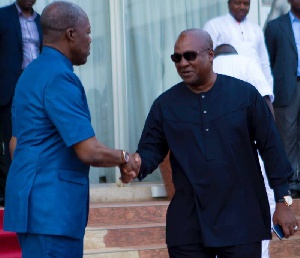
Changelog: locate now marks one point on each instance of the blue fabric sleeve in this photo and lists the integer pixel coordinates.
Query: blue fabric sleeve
(66, 106)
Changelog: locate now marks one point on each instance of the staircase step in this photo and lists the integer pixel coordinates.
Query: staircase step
(296, 206)
(1, 217)
(124, 235)
(9, 245)
(126, 230)
(134, 191)
(9, 241)
(125, 213)
(137, 230)
(148, 251)
(11, 255)
(285, 248)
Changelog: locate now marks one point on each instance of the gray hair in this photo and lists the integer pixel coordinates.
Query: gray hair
(59, 16)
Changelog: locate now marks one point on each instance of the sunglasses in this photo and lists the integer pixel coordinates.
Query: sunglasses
(188, 55)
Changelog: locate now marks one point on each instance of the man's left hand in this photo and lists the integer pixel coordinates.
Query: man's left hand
(285, 217)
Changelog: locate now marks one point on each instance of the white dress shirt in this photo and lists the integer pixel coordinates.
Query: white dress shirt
(30, 37)
(246, 37)
(243, 68)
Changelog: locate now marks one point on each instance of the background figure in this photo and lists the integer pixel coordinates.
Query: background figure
(283, 43)
(245, 36)
(20, 43)
(228, 62)
(278, 8)
(205, 121)
(54, 144)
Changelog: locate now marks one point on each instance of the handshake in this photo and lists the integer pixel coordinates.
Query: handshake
(130, 170)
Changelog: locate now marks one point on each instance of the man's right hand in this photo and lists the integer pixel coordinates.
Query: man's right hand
(131, 169)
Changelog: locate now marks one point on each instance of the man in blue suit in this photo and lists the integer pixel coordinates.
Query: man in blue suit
(20, 43)
(283, 43)
(47, 190)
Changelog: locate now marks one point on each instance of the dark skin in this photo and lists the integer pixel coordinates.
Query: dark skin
(239, 9)
(198, 74)
(26, 6)
(295, 7)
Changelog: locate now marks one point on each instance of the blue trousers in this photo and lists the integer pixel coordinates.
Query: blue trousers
(252, 250)
(46, 246)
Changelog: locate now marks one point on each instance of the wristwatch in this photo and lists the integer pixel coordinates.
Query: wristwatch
(124, 156)
(287, 200)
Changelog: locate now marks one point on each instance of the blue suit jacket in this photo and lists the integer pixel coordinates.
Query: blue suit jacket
(11, 53)
(47, 188)
(282, 50)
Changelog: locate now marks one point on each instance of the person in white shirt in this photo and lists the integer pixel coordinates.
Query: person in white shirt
(228, 62)
(245, 36)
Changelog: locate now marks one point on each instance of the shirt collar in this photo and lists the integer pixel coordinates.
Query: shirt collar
(234, 20)
(33, 16)
(54, 52)
(293, 17)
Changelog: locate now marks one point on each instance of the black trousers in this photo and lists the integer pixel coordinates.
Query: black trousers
(252, 250)
(5, 136)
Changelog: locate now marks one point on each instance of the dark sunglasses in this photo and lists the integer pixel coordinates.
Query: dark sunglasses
(188, 55)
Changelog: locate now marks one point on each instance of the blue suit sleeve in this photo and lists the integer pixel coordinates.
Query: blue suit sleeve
(66, 106)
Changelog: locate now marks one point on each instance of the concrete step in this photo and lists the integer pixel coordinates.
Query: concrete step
(137, 230)
(148, 251)
(126, 230)
(124, 235)
(296, 206)
(126, 213)
(285, 248)
(132, 192)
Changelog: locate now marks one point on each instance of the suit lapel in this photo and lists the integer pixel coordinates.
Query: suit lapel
(39, 28)
(16, 22)
(286, 26)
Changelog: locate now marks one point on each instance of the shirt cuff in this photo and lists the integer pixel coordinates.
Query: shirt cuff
(280, 191)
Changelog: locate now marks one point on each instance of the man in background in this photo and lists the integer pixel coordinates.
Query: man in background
(228, 62)
(47, 190)
(20, 43)
(283, 42)
(245, 36)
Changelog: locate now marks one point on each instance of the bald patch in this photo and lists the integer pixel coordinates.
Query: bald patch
(198, 35)
(58, 16)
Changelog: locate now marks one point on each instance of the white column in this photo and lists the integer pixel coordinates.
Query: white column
(118, 51)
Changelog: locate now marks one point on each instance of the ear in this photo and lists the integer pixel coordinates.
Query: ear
(211, 54)
(70, 34)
